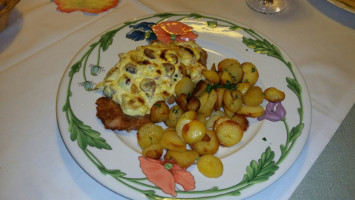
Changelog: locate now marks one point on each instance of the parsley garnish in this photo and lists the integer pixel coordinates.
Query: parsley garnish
(228, 86)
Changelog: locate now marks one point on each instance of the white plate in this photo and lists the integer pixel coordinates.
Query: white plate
(249, 167)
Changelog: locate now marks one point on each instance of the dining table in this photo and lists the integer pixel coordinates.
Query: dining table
(42, 37)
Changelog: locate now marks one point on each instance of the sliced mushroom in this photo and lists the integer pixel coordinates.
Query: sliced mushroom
(169, 69)
(173, 58)
(131, 68)
(149, 53)
(148, 85)
(183, 69)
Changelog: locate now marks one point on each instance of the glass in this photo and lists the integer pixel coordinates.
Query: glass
(267, 6)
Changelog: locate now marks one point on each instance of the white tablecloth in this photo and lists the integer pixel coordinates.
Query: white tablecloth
(40, 42)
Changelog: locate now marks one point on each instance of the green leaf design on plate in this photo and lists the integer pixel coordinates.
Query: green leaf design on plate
(294, 85)
(256, 172)
(212, 24)
(262, 46)
(261, 171)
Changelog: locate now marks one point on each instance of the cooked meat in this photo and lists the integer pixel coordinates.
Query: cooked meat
(113, 118)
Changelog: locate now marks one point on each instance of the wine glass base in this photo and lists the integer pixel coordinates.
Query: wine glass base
(274, 7)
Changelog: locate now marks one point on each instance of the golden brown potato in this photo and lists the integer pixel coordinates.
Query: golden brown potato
(211, 76)
(202, 118)
(149, 134)
(193, 131)
(154, 151)
(218, 112)
(208, 145)
(181, 100)
(210, 166)
(242, 121)
(218, 121)
(159, 112)
(243, 87)
(232, 100)
(228, 62)
(184, 119)
(183, 158)
(225, 77)
(213, 67)
(193, 104)
(236, 71)
(184, 86)
(174, 114)
(274, 95)
(228, 113)
(170, 140)
(251, 73)
(254, 96)
(211, 120)
(251, 111)
(207, 102)
(199, 89)
(229, 133)
(219, 102)
(169, 123)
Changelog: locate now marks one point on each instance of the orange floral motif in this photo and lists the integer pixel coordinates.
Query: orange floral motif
(165, 174)
(87, 6)
(173, 30)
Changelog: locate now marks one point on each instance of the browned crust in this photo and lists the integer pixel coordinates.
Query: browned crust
(113, 118)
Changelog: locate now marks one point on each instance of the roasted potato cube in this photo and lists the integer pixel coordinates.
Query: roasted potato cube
(184, 158)
(208, 145)
(149, 134)
(210, 166)
(193, 131)
(193, 104)
(154, 151)
(254, 96)
(159, 112)
(184, 86)
(229, 133)
(274, 95)
(170, 140)
(181, 100)
(251, 73)
(251, 111)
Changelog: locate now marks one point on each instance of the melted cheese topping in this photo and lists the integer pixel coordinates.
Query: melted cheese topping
(149, 74)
